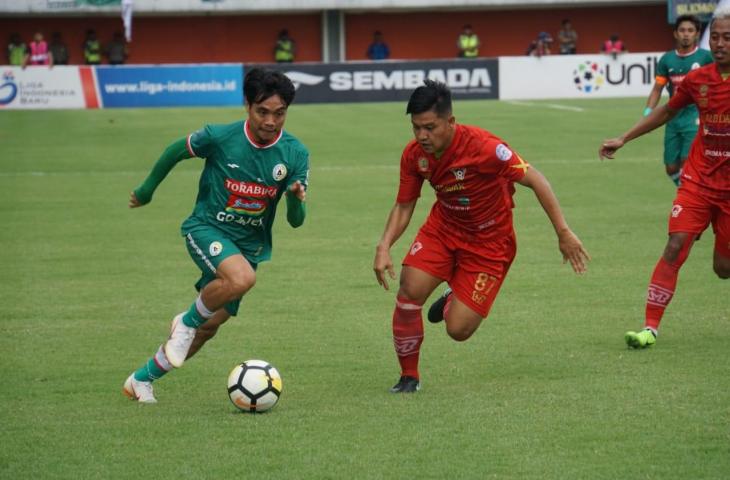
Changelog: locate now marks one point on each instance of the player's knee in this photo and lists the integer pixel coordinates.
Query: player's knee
(722, 269)
(674, 248)
(239, 284)
(410, 293)
(459, 333)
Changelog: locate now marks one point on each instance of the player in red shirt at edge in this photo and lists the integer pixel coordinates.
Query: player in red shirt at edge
(468, 239)
(704, 193)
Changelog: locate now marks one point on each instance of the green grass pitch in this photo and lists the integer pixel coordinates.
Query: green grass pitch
(546, 389)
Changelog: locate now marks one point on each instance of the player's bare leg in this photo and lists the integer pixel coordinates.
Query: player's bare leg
(208, 330)
(235, 278)
(461, 320)
(415, 287)
(721, 258)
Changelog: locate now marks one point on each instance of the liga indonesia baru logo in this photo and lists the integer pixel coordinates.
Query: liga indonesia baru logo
(588, 77)
(8, 89)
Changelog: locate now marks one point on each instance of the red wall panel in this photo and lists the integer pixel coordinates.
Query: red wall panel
(507, 32)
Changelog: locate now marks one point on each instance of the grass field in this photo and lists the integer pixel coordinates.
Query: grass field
(546, 389)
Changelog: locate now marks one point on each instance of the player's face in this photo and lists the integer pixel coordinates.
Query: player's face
(433, 132)
(720, 42)
(686, 35)
(266, 119)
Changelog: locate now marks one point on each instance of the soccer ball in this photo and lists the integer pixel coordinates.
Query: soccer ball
(254, 386)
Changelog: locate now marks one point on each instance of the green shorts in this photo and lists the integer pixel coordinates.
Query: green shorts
(677, 143)
(208, 247)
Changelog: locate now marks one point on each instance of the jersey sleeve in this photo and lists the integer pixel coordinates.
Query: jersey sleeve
(501, 160)
(682, 95)
(410, 181)
(662, 71)
(300, 169)
(200, 143)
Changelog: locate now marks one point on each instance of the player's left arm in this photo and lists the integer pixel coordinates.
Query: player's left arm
(568, 242)
(296, 193)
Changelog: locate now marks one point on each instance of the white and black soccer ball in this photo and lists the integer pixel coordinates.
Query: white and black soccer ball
(254, 386)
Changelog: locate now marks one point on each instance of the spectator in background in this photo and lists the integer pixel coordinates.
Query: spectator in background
(58, 49)
(116, 50)
(16, 51)
(38, 53)
(567, 38)
(540, 46)
(285, 49)
(92, 48)
(378, 50)
(468, 43)
(613, 46)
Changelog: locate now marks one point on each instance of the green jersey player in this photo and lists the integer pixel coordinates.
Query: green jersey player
(248, 167)
(670, 71)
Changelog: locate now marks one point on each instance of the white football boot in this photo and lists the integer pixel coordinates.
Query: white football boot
(140, 391)
(178, 345)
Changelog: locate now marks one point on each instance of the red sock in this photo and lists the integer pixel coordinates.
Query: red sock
(662, 285)
(407, 335)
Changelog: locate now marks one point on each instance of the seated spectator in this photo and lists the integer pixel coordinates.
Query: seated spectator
(567, 38)
(58, 49)
(613, 46)
(285, 49)
(540, 46)
(378, 50)
(116, 50)
(38, 53)
(16, 51)
(92, 49)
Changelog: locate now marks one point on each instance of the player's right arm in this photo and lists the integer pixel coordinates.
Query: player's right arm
(655, 119)
(401, 213)
(174, 153)
(660, 81)
(398, 220)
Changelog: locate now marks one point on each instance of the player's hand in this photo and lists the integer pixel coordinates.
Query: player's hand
(298, 189)
(609, 147)
(573, 251)
(383, 263)
(133, 201)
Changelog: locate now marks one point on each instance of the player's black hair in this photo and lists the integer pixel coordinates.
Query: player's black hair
(261, 84)
(432, 95)
(687, 18)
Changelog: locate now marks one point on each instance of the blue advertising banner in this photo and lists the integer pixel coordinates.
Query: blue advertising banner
(702, 9)
(170, 86)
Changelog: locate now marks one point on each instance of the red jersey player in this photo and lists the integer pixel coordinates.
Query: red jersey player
(704, 194)
(468, 239)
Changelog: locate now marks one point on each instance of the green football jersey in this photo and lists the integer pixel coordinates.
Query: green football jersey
(242, 183)
(672, 69)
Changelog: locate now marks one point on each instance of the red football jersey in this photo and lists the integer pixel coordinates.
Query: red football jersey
(474, 183)
(707, 168)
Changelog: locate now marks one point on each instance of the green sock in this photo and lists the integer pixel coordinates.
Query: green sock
(192, 318)
(154, 368)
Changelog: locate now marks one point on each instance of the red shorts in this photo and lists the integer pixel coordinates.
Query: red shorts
(474, 272)
(693, 212)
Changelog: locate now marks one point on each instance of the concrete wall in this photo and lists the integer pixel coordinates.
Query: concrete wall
(250, 38)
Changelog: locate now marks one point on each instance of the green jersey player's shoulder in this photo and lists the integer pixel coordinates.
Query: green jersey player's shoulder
(292, 143)
(706, 56)
(224, 131)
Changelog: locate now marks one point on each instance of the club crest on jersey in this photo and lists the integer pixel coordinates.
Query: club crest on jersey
(215, 249)
(279, 172)
(459, 173)
(676, 210)
(423, 164)
(416, 247)
(703, 90)
(503, 153)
